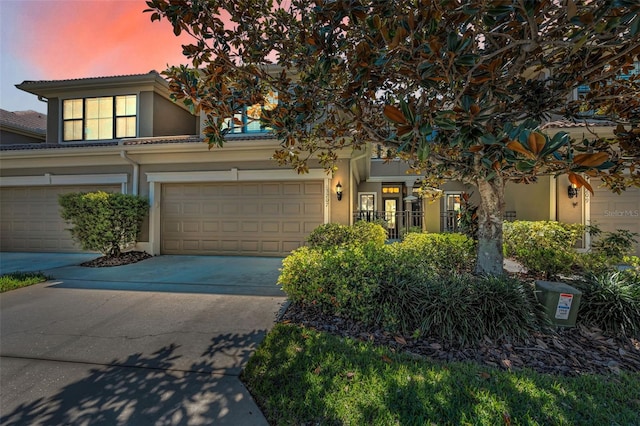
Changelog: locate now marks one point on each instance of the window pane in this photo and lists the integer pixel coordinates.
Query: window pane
(125, 105)
(99, 107)
(106, 128)
(72, 108)
(125, 127)
(99, 129)
(73, 130)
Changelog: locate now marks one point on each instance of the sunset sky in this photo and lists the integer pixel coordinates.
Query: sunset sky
(62, 39)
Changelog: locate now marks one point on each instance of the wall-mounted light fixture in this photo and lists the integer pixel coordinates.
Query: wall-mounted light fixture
(339, 191)
(572, 191)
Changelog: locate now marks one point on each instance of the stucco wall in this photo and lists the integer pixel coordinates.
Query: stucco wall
(530, 201)
(11, 138)
(169, 119)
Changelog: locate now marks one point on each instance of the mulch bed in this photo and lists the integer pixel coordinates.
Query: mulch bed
(124, 259)
(568, 352)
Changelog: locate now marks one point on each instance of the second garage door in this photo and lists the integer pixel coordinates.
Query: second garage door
(612, 211)
(30, 219)
(239, 218)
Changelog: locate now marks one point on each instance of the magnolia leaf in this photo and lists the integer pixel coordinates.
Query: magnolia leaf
(536, 142)
(591, 160)
(394, 114)
(518, 147)
(400, 340)
(579, 181)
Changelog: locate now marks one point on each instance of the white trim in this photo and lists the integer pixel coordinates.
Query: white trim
(50, 179)
(234, 175)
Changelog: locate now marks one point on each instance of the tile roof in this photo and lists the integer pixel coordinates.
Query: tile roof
(37, 146)
(162, 140)
(82, 79)
(32, 121)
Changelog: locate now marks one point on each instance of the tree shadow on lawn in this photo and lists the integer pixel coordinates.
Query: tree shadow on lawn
(321, 383)
(150, 389)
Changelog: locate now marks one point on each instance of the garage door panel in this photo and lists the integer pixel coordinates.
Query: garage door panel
(31, 221)
(262, 218)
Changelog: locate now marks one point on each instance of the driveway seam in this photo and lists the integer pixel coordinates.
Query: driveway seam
(177, 370)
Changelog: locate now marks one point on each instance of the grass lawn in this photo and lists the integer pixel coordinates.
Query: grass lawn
(20, 279)
(301, 376)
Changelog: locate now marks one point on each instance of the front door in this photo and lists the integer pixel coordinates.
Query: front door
(390, 216)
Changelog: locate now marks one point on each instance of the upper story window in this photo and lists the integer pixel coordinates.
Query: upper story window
(248, 120)
(103, 118)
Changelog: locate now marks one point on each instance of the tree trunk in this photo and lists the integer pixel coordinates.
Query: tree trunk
(490, 213)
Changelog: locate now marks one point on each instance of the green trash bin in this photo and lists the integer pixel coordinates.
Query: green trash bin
(561, 302)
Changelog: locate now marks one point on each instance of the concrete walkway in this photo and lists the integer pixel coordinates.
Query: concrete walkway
(162, 341)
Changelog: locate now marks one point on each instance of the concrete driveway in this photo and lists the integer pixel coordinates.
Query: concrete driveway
(162, 341)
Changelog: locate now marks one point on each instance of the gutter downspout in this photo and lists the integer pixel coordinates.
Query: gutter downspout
(136, 171)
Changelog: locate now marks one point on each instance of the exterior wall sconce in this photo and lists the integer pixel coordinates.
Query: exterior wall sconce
(572, 191)
(339, 191)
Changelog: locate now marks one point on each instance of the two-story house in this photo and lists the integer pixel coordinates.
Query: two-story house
(124, 134)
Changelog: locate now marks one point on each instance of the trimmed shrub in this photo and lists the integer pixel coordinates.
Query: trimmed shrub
(333, 235)
(368, 232)
(439, 253)
(102, 221)
(611, 302)
(545, 248)
(412, 288)
(342, 282)
(329, 235)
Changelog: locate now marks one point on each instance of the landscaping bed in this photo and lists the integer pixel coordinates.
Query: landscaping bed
(570, 351)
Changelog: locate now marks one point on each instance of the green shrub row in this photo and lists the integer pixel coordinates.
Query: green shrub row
(547, 248)
(543, 247)
(103, 221)
(421, 286)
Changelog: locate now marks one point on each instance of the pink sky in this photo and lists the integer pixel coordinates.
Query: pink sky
(61, 39)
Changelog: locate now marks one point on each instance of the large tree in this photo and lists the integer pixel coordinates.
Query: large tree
(459, 89)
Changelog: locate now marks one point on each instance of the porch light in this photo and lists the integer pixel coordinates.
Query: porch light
(339, 191)
(572, 191)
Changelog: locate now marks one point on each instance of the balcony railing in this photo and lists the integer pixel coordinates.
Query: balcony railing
(396, 223)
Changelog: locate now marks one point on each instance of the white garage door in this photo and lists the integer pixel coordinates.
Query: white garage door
(611, 211)
(239, 218)
(30, 218)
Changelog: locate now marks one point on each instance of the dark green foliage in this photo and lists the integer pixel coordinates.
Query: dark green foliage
(544, 247)
(102, 221)
(614, 245)
(611, 302)
(332, 235)
(414, 287)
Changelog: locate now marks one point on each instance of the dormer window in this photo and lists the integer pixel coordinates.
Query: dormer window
(103, 118)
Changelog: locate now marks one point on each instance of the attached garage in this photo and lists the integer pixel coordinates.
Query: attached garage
(263, 218)
(612, 211)
(30, 219)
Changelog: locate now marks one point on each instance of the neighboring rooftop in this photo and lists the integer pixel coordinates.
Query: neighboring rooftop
(30, 121)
